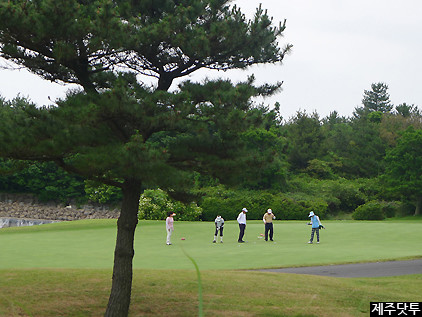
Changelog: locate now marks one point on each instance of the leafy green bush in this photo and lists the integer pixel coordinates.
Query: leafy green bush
(102, 193)
(155, 203)
(391, 208)
(372, 210)
(229, 203)
(43, 179)
(377, 210)
(407, 208)
(320, 169)
(340, 195)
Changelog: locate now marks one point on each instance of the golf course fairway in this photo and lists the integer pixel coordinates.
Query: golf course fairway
(90, 244)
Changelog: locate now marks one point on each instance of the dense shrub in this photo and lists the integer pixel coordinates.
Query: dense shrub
(319, 169)
(229, 204)
(223, 202)
(340, 195)
(154, 205)
(371, 188)
(102, 193)
(377, 210)
(406, 208)
(392, 208)
(372, 210)
(43, 179)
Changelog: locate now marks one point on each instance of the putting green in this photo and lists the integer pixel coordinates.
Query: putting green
(90, 244)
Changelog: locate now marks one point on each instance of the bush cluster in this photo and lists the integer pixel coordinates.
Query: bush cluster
(155, 203)
(228, 204)
(376, 210)
(43, 179)
(340, 195)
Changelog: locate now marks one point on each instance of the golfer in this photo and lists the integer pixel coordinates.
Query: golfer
(169, 226)
(241, 219)
(315, 223)
(219, 226)
(268, 220)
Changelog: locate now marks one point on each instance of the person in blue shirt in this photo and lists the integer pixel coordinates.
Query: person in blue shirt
(316, 224)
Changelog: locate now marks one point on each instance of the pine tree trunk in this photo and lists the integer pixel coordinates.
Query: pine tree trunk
(119, 301)
(418, 206)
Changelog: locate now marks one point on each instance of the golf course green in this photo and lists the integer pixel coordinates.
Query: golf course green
(90, 244)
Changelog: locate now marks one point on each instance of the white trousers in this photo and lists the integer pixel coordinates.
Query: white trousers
(169, 232)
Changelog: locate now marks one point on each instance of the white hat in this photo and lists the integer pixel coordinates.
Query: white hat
(269, 210)
(311, 214)
(245, 210)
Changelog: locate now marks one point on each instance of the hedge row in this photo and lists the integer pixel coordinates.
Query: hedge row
(155, 204)
(229, 204)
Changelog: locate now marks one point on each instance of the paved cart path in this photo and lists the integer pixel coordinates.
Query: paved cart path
(376, 269)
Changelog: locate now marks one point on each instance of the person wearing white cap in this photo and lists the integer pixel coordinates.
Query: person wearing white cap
(219, 226)
(241, 219)
(169, 226)
(315, 223)
(268, 220)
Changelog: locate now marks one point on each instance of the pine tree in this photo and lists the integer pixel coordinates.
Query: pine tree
(119, 131)
(375, 102)
(378, 98)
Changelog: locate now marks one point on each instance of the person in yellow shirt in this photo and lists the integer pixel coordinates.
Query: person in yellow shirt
(268, 220)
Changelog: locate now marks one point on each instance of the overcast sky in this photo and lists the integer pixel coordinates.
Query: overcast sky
(340, 48)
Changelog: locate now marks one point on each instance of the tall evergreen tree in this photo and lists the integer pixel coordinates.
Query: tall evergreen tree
(117, 130)
(305, 138)
(375, 100)
(404, 167)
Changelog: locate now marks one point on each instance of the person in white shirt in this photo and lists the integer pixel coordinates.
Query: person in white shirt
(241, 219)
(219, 226)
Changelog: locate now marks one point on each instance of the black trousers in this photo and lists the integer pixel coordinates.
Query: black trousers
(221, 231)
(313, 232)
(269, 227)
(242, 227)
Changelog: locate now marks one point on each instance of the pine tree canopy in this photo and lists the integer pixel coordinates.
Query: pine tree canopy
(377, 99)
(117, 127)
(117, 130)
(79, 41)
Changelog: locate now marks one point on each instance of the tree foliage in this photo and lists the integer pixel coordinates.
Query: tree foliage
(156, 203)
(375, 100)
(404, 166)
(306, 139)
(117, 130)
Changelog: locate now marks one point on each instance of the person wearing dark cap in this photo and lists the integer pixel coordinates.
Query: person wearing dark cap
(241, 219)
(316, 224)
(268, 220)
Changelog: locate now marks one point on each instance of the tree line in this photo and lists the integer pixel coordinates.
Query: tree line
(333, 164)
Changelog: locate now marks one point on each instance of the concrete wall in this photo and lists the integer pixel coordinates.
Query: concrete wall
(27, 206)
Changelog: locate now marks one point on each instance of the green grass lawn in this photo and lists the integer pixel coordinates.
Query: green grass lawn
(77, 292)
(90, 244)
(64, 269)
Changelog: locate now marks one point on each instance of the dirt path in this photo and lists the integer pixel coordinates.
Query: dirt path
(376, 269)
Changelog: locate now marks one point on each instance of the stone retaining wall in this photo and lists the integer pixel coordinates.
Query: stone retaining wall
(27, 206)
